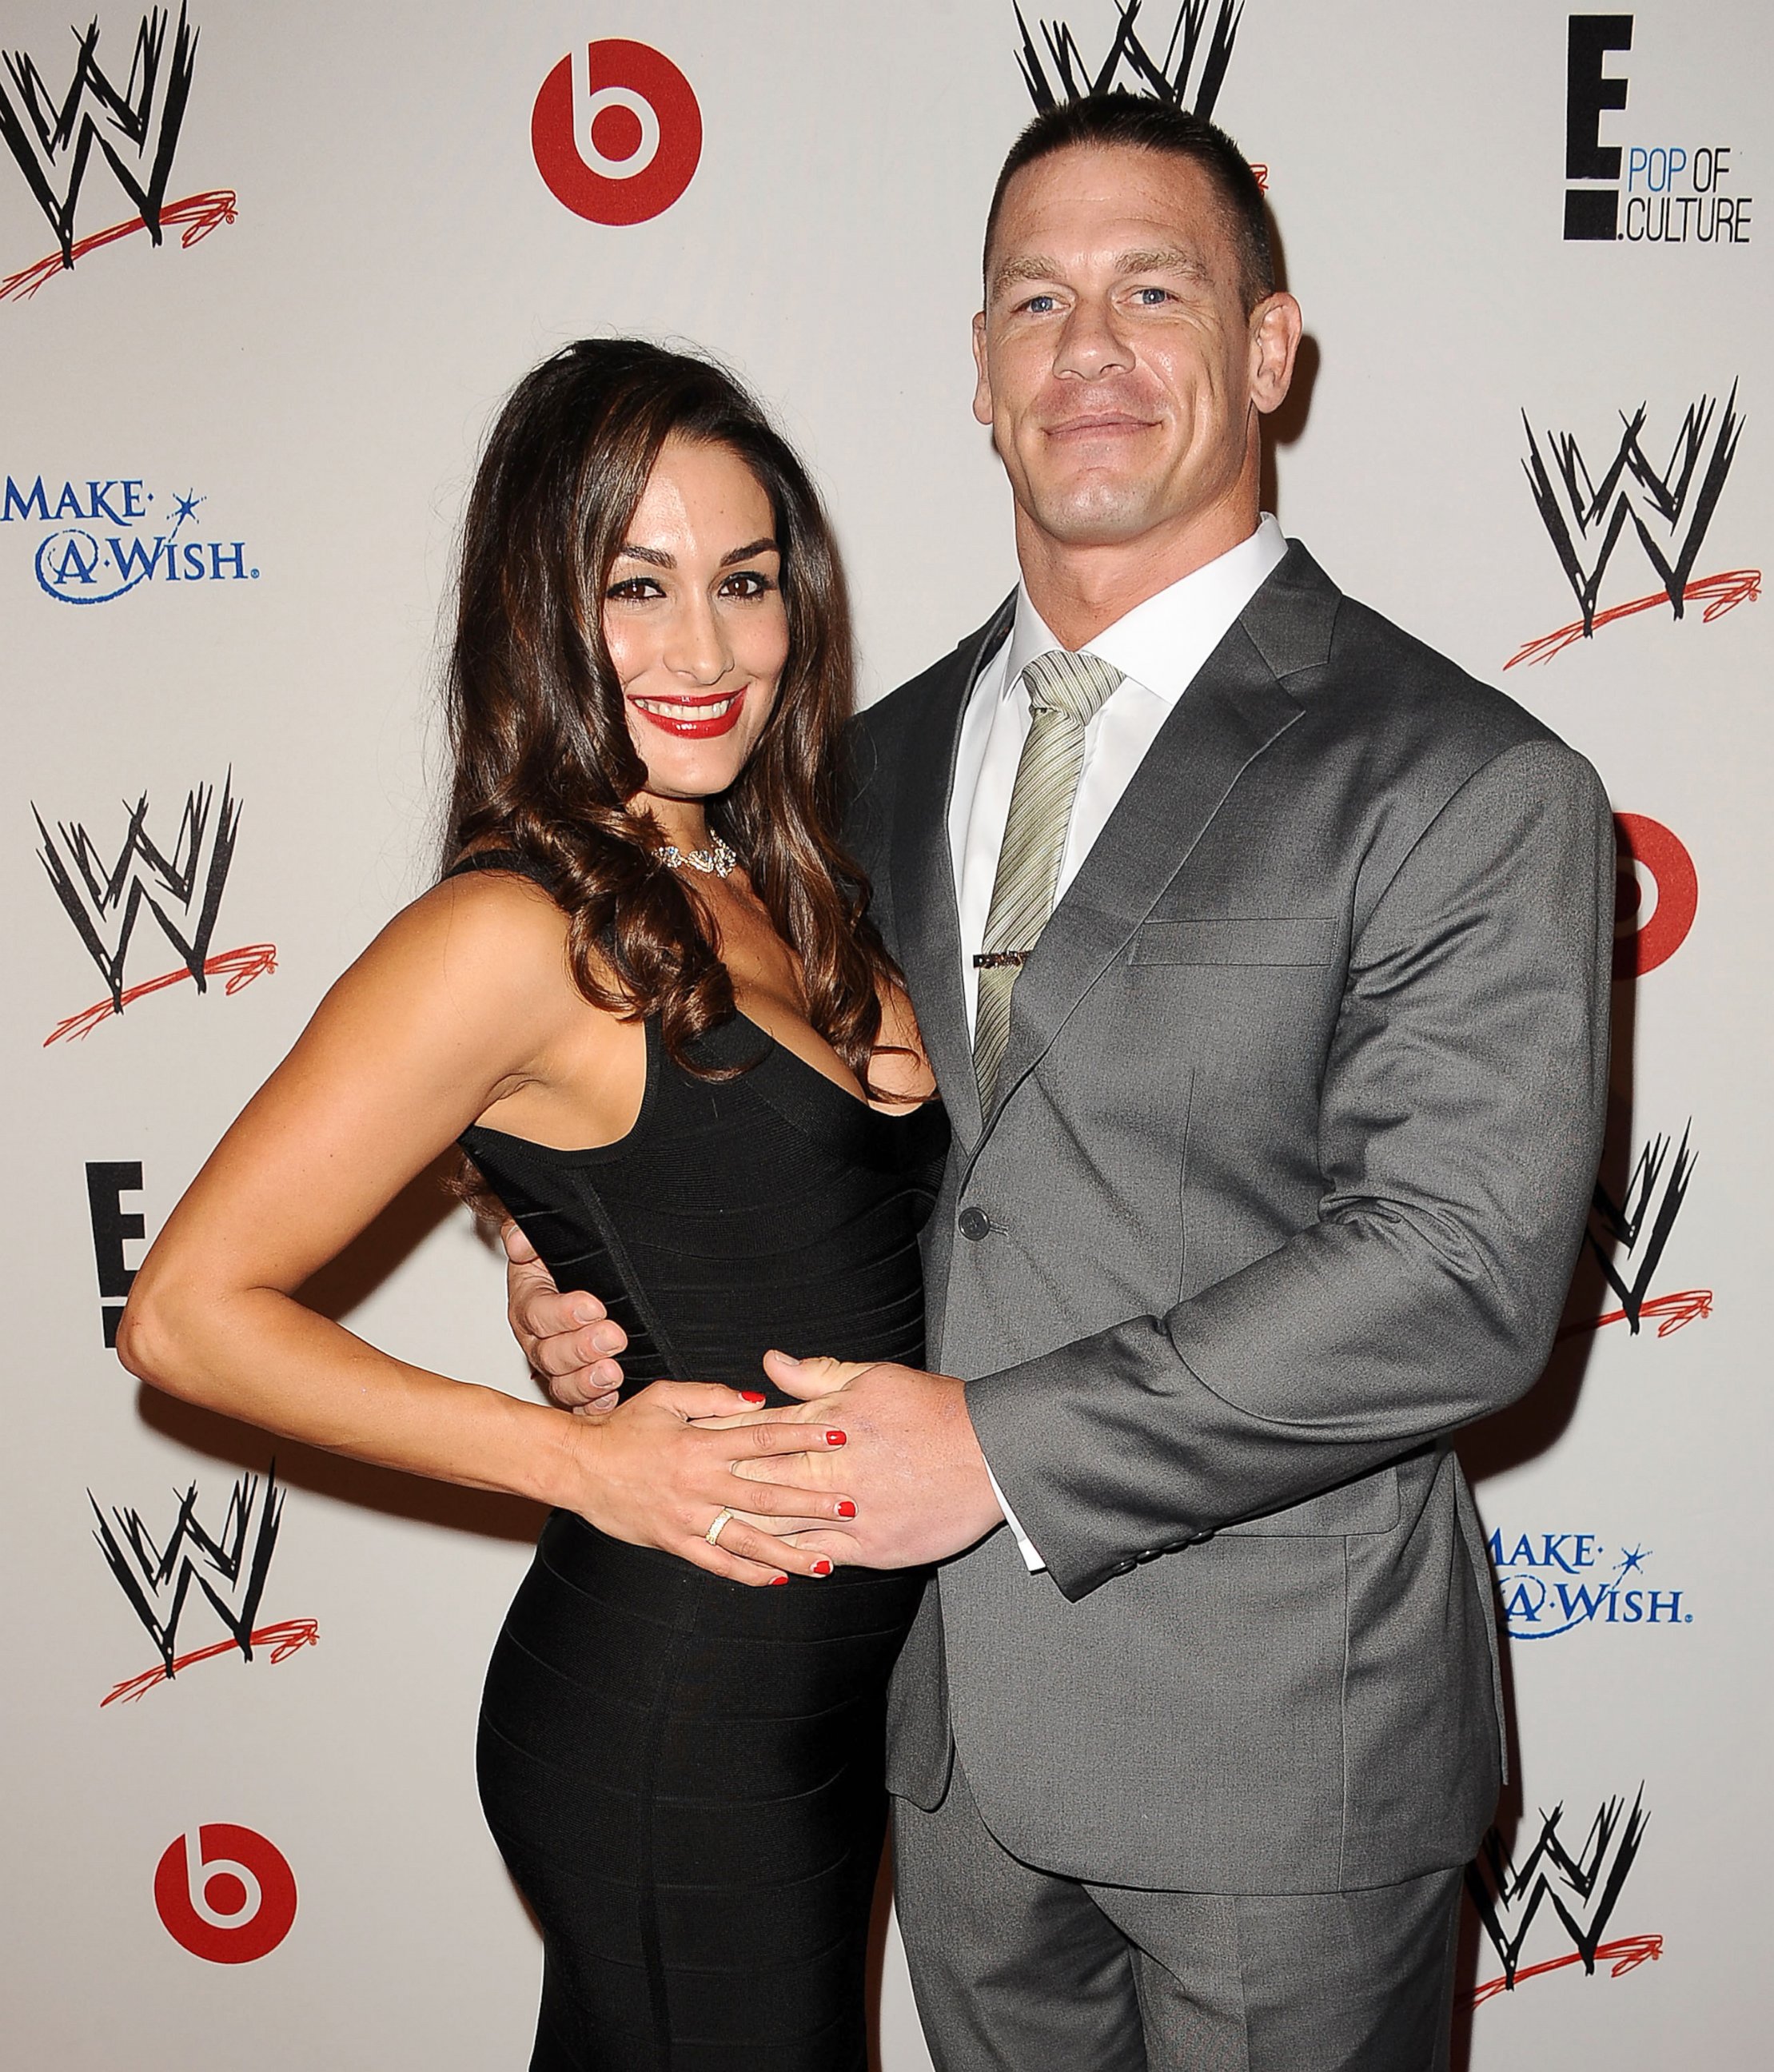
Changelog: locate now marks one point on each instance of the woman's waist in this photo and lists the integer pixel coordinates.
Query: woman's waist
(681, 1351)
(615, 1570)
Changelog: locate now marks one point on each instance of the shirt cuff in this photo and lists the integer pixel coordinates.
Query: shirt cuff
(1026, 1546)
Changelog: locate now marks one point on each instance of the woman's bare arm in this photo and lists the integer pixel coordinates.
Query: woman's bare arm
(900, 1074)
(457, 1006)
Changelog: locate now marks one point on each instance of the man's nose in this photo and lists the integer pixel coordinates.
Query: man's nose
(696, 646)
(1091, 345)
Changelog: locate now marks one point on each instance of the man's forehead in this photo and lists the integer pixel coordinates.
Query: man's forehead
(1118, 199)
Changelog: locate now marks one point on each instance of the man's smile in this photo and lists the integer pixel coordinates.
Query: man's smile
(1100, 425)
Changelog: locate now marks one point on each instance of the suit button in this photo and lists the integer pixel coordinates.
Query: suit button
(974, 1224)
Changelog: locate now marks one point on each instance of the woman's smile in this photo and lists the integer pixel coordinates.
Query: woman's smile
(697, 718)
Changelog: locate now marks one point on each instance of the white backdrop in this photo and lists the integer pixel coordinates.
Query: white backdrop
(317, 371)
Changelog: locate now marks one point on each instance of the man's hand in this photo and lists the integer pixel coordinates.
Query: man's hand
(911, 1464)
(569, 1340)
(646, 1474)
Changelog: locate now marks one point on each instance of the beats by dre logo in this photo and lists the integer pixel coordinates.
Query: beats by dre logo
(1656, 895)
(619, 140)
(225, 1893)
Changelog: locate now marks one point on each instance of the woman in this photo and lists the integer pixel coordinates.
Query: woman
(646, 1000)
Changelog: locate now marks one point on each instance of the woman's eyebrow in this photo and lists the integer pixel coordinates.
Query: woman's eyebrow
(660, 559)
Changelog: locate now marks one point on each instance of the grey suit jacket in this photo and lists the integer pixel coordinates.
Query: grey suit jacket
(1283, 1182)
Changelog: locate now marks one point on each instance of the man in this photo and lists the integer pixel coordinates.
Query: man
(1262, 958)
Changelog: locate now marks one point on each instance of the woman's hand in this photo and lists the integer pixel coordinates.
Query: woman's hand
(657, 1470)
(815, 1381)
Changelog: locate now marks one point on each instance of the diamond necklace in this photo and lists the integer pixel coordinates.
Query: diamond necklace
(719, 857)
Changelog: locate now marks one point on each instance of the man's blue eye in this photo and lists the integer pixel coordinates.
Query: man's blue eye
(1151, 296)
(1039, 303)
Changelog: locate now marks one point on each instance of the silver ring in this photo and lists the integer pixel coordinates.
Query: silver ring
(722, 1517)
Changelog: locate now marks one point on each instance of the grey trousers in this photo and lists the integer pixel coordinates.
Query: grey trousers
(1018, 1970)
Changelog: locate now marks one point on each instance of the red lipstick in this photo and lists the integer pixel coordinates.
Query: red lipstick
(679, 716)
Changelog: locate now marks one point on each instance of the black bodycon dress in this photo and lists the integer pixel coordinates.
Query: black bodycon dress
(685, 1774)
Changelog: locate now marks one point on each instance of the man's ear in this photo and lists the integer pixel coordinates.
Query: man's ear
(1276, 325)
(982, 386)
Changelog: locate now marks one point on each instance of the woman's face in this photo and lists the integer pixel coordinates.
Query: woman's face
(694, 620)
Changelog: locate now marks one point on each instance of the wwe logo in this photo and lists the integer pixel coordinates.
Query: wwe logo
(1130, 62)
(230, 1568)
(183, 891)
(1581, 1887)
(1623, 1224)
(1668, 508)
(137, 129)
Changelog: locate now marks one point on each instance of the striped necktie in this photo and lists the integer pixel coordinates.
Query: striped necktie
(1065, 692)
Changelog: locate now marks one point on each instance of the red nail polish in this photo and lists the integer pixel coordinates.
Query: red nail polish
(835, 1439)
(752, 1395)
(822, 1567)
(778, 1579)
(845, 1508)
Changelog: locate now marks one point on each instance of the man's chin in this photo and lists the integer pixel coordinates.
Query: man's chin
(1095, 514)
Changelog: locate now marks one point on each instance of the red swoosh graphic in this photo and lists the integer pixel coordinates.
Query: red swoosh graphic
(1673, 1311)
(1620, 1957)
(200, 213)
(283, 1639)
(1719, 594)
(240, 967)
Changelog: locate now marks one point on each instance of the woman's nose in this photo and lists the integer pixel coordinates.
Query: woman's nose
(698, 646)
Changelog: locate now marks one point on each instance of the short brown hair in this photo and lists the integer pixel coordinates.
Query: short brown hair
(1144, 123)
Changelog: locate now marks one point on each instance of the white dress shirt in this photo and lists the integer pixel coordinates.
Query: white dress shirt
(1159, 648)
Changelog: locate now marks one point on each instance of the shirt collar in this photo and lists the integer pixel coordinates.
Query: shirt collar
(1162, 643)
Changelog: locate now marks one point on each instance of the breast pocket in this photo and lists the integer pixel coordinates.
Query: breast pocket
(1256, 939)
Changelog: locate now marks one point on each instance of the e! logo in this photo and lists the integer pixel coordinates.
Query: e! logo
(224, 1894)
(107, 1181)
(1657, 895)
(1592, 212)
(619, 142)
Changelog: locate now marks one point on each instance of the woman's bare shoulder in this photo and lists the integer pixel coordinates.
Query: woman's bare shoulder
(487, 947)
(495, 919)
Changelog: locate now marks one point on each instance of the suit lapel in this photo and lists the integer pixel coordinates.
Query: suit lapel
(927, 921)
(1232, 712)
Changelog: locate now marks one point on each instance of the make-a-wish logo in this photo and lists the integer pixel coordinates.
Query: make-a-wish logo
(1668, 507)
(1552, 1583)
(228, 1569)
(1186, 68)
(1561, 1898)
(180, 882)
(1627, 1238)
(132, 128)
(112, 550)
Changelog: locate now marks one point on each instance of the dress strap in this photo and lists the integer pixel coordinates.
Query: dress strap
(501, 859)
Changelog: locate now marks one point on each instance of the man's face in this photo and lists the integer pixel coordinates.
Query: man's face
(1119, 369)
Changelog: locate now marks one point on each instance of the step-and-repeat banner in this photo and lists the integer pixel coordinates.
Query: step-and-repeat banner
(265, 273)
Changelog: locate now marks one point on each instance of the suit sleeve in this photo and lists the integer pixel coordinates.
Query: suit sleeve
(1460, 1127)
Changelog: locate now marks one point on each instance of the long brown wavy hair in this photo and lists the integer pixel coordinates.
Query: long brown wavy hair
(544, 764)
